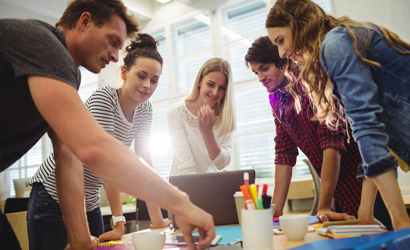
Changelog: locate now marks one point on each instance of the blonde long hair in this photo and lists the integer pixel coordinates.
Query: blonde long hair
(309, 25)
(227, 114)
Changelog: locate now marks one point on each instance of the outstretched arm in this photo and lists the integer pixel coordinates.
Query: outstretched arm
(389, 189)
(329, 177)
(114, 199)
(366, 209)
(283, 177)
(62, 108)
(70, 190)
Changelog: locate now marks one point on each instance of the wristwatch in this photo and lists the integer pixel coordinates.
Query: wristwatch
(115, 219)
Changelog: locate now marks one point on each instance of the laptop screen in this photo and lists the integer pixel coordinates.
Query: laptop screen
(214, 192)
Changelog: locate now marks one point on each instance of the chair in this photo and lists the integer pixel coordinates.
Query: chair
(316, 184)
(14, 205)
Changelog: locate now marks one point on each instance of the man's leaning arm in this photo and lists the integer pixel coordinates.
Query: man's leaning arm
(62, 108)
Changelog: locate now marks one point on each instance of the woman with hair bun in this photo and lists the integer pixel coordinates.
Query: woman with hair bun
(201, 125)
(126, 114)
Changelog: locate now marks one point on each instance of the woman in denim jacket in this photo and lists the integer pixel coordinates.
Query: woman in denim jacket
(367, 67)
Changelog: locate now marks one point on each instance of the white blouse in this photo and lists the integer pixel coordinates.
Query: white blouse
(189, 153)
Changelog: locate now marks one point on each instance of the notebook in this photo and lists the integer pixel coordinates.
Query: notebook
(213, 192)
(347, 231)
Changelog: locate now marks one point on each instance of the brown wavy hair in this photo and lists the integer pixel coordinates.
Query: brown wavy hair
(309, 25)
(101, 12)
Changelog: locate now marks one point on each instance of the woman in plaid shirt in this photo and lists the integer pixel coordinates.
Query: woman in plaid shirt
(334, 159)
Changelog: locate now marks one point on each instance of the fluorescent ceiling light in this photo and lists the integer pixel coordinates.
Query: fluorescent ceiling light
(163, 1)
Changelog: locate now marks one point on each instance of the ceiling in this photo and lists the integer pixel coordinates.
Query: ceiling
(52, 9)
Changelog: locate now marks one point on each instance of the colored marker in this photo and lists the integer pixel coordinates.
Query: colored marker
(246, 179)
(264, 189)
(248, 201)
(275, 219)
(254, 193)
(257, 186)
(265, 198)
(259, 203)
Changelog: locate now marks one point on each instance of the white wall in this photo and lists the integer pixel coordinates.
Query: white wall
(45, 10)
(392, 14)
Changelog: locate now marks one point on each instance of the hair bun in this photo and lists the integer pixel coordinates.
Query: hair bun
(142, 40)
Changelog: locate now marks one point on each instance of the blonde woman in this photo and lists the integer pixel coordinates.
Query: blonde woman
(201, 125)
(367, 67)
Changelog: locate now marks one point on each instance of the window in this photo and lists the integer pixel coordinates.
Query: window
(28, 164)
(161, 153)
(241, 24)
(89, 84)
(191, 40)
(255, 130)
(185, 45)
(162, 90)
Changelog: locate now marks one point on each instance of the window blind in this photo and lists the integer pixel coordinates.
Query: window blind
(161, 153)
(162, 90)
(192, 46)
(241, 24)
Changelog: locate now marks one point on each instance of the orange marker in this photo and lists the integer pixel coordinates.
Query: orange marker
(248, 201)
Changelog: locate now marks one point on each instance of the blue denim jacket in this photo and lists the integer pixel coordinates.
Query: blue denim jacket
(376, 99)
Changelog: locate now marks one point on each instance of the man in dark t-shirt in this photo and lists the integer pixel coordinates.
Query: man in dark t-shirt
(39, 80)
(26, 55)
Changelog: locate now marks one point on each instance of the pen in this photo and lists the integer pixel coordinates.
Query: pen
(248, 202)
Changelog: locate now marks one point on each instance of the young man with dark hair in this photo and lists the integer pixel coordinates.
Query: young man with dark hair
(333, 157)
(39, 78)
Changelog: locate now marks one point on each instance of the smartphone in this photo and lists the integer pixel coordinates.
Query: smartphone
(179, 240)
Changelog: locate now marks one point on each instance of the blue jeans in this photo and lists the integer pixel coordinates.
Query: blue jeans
(45, 224)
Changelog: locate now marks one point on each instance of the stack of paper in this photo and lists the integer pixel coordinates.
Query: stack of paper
(346, 231)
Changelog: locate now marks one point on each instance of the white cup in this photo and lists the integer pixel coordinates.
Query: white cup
(257, 229)
(294, 226)
(153, 240)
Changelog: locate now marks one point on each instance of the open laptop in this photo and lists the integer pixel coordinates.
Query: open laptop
(213, 192)
(22, 187)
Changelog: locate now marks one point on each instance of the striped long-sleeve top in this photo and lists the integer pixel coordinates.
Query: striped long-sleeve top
(105, 107)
